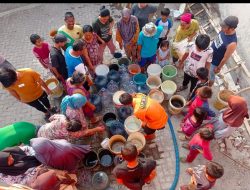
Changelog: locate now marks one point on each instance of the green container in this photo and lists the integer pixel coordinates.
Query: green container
(168, 72)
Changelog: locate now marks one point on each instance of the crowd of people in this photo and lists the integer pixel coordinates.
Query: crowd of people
(47, 157)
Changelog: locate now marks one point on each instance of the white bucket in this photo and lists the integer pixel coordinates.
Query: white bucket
(102, 70)
(174, 109)
(116, 97)
(132, 124)
(156, 95)
(168, 87)
(153, 82)
(154, 70)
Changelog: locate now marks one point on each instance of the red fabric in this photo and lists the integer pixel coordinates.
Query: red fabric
(43, 52)
(198, 102)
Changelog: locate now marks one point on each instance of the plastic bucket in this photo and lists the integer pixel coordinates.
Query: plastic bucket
(108, 117)
(102, 70)
(132, 124)
(168, 72)
(101, 82)
(116, 97)
(221, 100)
(97, 101)
(105, 157)
(124, 61)
(153, 82)
(154, 70)
(114, 67)
(113, 75)
(116, 143)
(156, 95)
(117, 55)
(168, 87)
(140, 79)
(55, 87)
(134, 69)
(176, 104)
(90, 160)
(138, 140)
(124, 112)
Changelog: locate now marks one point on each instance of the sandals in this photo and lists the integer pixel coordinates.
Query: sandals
(184, 138)
(181, 88)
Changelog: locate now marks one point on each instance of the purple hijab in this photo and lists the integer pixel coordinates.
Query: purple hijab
(59, 153)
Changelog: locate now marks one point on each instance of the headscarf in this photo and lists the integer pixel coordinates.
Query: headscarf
(186, 18)
(127, 29)
(237, 111)
(74, 101)
(59, 154)
(22, 162)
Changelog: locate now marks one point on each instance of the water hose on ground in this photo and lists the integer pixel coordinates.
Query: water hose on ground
(177, 157)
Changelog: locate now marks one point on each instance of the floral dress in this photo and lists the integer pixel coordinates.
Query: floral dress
(25, 178)
(92, 48)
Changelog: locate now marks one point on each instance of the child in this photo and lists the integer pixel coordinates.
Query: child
(166, 23)
(134, 172)
(162, 53)
(200, 100)
(193, 123)
(204, 176)
(202, 74)
(197, 55)
(41, 50)
(199, 144)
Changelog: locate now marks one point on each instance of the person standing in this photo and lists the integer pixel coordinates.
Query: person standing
(143, 11)
(127, 33)
(27, 86)
(102, 26)
(70, 30)
(58, 63)
(223, 46)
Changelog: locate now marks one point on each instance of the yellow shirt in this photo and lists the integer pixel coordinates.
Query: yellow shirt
(75, 34)
(182, 34)
(27, 86)
(149, 111)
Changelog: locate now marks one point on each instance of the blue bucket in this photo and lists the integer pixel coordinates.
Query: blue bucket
(140, 79)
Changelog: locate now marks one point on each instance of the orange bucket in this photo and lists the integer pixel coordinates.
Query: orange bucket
(134, 69)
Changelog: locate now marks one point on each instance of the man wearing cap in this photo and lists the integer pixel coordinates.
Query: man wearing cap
(70, 29)
(187, 29)
(223, 46)
(127, 33)
(58, 63)
(147, 44)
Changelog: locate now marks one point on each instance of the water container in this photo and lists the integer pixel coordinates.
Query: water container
(117, 55)
(143, 89)
(115, 127)
(114, 75)
(90, 160)
(154, 70)
(153, 82)
(168, 72)
(176, 104)
(101, 82)
(108, 117)
(124, 112)
(114, 67)
(156, 95)
(100, 181)
(124, 61)
(102, 70)
(97, 101)
(132, 124)
(105, 157)
(140, 79)
(55, 87)
(138, 139)
(134, 69)
(116, 97)
(116, 143)
(168, 87)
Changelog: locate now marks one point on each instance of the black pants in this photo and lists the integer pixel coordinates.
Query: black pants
(188, 78)
(41, 103)
(149, 131)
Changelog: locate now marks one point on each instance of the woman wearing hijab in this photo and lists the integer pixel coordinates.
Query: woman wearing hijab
(17, 164)
(59, 154)
(127, 33)
(187, 29)
(71, 106)
(231, 117)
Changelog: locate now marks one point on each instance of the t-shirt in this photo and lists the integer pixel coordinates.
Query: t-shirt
(72, 61)
(58, 61)
(72, 35)
(134, 178)
(166, 26)
(149, 44)
(196, 59)
(42, 53)
(27, 86)
(199, 173)
(149, 111)
(143, 14)
(102, 30)
(219, 46)
(182, 34)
